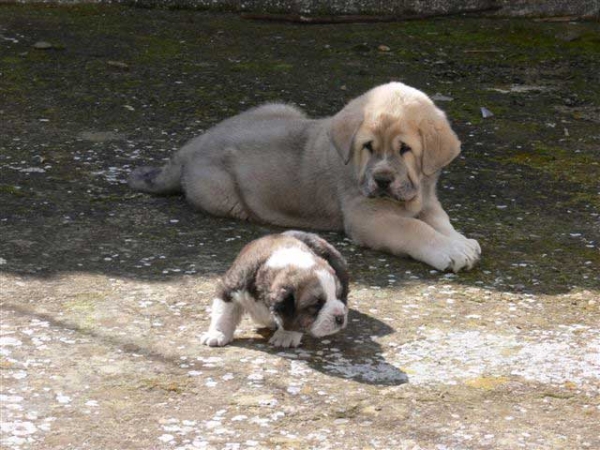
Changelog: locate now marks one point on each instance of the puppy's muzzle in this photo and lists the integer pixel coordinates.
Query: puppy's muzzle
(383, 180)
(380, 184)
(330, 322)
(385, 184)
(407, 191)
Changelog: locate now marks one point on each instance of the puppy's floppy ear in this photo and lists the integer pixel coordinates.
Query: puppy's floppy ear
(440, 143)
(244, 274)
(343, 128)
(329, 253)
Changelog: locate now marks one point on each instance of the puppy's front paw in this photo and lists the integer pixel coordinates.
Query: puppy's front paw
(471, 243)
(456, 254)
(285, 339)
(214, 338)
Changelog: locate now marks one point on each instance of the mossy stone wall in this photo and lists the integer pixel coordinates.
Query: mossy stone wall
(582, 8)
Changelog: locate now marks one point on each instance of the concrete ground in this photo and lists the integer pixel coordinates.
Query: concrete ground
(106, 291)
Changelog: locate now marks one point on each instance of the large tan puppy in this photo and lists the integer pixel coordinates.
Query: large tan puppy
(370, 170)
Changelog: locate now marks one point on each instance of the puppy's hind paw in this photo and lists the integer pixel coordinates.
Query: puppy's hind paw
(214, 338)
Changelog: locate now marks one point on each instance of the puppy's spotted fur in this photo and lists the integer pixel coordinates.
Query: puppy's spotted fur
(294, 282)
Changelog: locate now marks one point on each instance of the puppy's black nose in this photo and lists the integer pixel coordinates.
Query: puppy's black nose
(339, 319)
(383, 180)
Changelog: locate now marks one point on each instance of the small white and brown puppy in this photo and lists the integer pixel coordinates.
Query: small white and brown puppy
(294, 282)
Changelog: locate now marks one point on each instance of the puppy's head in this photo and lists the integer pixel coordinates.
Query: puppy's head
(309, 299)
(394, 135)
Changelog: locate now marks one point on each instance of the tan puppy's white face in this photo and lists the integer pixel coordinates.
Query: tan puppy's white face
(394, 135)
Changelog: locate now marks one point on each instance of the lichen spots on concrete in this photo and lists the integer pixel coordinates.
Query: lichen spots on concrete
(106, 291)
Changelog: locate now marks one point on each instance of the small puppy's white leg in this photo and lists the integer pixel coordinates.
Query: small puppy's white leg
(225, 318)
(283, 338)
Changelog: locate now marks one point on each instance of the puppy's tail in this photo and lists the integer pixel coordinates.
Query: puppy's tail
(158, 180)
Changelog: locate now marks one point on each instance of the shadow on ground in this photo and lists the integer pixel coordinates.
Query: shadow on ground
(362, 362)
(110, 93)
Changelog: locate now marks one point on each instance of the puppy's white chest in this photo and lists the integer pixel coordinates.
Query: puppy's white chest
(259, 312)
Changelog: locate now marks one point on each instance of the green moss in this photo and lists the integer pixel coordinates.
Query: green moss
(164, 383)
(156, 47)
(560, 163)
(83, 307)
(84, 302)
(113, 198)
(588, 43)
(12, 190)
(14, 71)
(11, 60)
(262, 67)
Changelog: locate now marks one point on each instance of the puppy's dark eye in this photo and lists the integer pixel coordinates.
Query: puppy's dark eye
(286, 306)
(316, 307)
(404, 148)
(368, 146)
